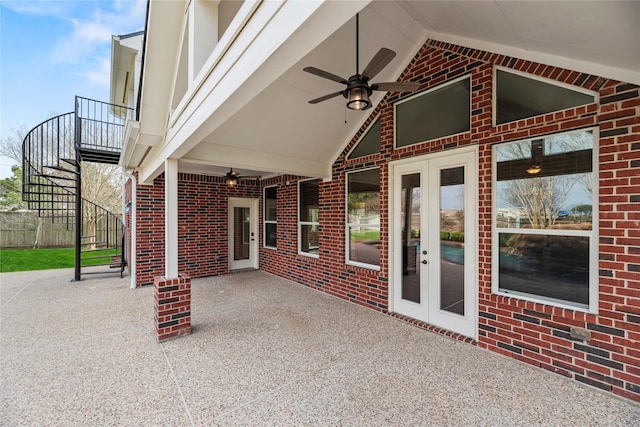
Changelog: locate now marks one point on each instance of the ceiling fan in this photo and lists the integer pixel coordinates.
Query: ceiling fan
(232, 177)
(358, 89)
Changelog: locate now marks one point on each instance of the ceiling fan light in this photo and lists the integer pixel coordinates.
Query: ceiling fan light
(534, 169)
(358, 99)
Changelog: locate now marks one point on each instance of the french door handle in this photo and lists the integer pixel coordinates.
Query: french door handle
(424, 261)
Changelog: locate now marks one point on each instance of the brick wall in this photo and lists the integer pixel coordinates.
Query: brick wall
(202, 225)
(534, 333)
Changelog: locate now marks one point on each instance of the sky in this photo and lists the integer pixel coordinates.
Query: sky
(52, 50)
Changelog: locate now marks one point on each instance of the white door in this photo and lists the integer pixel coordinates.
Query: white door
(243, 244)
(434, 232)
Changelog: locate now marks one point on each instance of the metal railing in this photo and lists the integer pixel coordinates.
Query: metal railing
(52, 177)
(100, 125)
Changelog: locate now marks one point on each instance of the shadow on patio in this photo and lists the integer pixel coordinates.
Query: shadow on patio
(264, 351)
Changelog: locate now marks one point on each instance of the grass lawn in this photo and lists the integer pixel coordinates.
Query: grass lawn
(364, 235)
(42, 259)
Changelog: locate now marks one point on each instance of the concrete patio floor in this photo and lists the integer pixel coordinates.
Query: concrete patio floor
(264, 351)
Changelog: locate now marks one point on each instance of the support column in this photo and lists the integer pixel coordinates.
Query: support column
(172, 307)
(171, 218)
(172, 291)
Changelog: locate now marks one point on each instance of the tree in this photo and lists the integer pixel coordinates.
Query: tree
(539, 198)
(11, 191)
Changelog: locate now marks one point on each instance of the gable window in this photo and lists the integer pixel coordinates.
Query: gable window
(436, 113)
(363, 218)
(369, 143)
(545, 200)
(308, 219)
(270, 217)
(520, 96)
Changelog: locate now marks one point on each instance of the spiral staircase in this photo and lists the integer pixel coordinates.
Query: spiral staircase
(53, 153)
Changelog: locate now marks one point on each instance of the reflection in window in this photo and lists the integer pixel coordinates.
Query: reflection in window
(411, 228)
(443, 111)
(543, 216)
(363, 217)
(452, 240)
(271, 217)
(308, 222)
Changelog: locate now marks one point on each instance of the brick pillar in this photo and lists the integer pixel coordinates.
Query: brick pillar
(172, 306)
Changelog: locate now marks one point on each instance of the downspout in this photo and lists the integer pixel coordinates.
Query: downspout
(133, 210)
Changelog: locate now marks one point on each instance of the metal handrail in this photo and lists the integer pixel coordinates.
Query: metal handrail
(52, 172)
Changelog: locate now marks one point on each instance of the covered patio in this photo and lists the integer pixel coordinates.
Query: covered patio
(264, 351)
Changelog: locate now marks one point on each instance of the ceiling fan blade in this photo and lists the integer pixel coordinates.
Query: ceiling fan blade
(324, 98)
(396, 86)
(378, 62)
(325, 74)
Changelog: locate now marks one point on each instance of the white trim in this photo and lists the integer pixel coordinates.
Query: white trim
(171, 218)
(494, 88)
(426, 92)
(592, 234)
(366, 131)
(264, 218)
(301, 223)
(348, 225)
(468, 324)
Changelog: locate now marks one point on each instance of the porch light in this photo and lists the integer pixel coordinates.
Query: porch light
(232, 178)
(534, 169)
(358, 98)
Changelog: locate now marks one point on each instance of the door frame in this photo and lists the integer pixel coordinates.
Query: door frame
(409, 165)
(252, 204)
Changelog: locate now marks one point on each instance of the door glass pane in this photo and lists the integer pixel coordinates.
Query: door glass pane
(410, 218)
(452, 240)
(241, 231)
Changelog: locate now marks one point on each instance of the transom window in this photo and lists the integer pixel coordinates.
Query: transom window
(436, 113)
(519, 96)
(543, 236)
(363, 218)
(369, 143)
(270, 217)
(308, 220)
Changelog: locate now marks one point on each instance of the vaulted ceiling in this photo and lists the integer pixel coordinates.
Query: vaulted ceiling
(278, 125)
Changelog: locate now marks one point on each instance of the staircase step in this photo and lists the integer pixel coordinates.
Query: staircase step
(62, 169)
(100, 156)
(70, 161)
(44, 175)
(116, 262)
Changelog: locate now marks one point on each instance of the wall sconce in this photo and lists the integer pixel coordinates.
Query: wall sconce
(127, 206)
(232, 178)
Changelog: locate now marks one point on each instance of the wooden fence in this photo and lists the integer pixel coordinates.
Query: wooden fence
(23, 229)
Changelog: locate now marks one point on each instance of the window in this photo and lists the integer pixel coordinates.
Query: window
(436, 113)
(270, 217)
(519, 97)
(363, 218)
(308, 222)
(369, 143)
(545, 199)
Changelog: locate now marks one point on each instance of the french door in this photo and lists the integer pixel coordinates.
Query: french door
(243, 227)
(434, 232)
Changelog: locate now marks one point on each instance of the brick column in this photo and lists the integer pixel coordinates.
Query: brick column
(172, 306)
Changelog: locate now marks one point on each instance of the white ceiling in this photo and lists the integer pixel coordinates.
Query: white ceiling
(600, 37)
